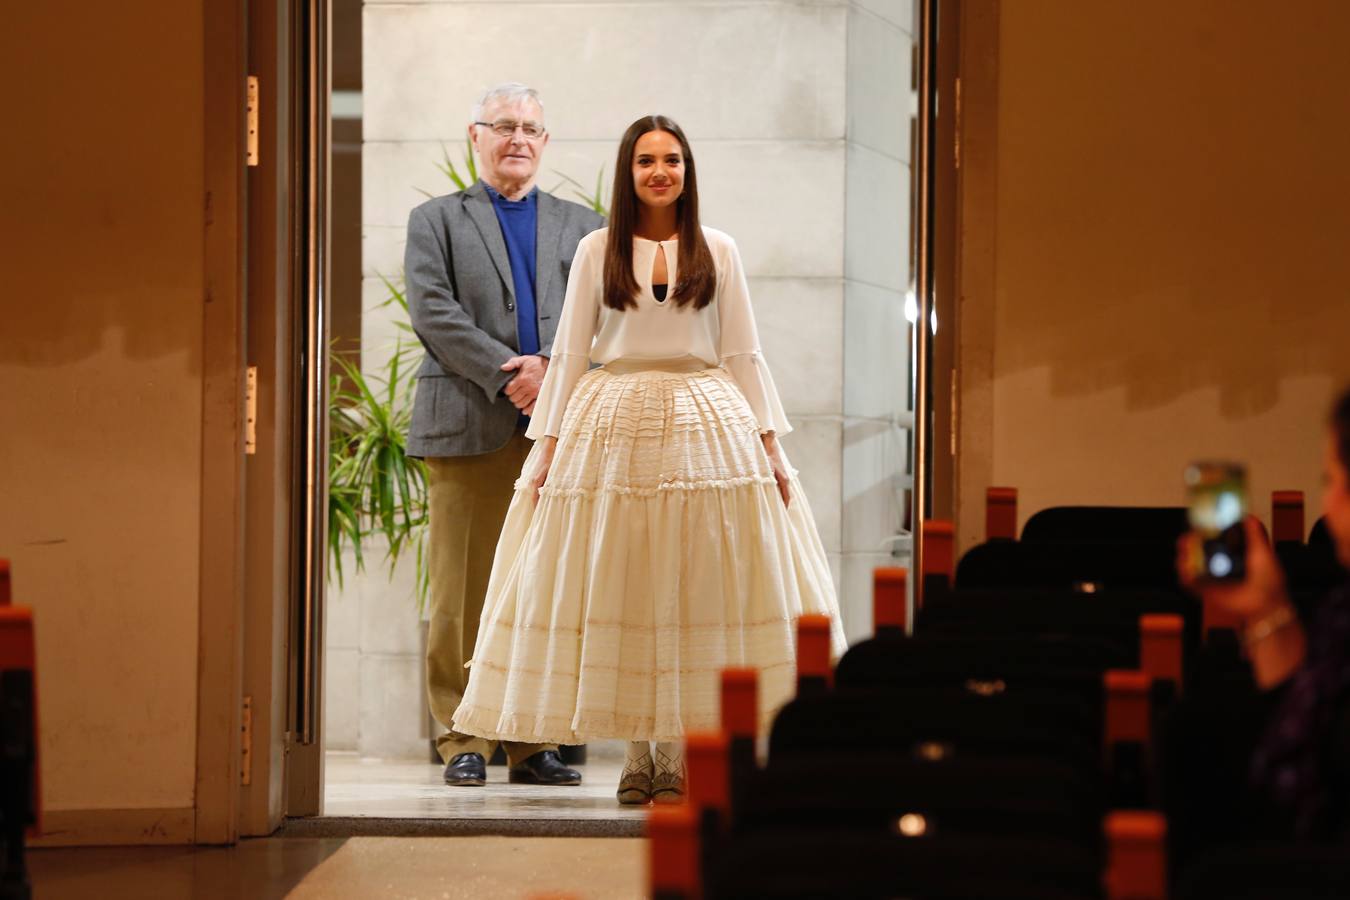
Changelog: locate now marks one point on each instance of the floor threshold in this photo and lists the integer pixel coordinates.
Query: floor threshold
(380, 826)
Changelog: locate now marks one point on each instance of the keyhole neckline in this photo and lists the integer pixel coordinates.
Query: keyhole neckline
(657, 255)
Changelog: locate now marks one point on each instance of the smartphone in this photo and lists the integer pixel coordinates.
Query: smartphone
(1217, 495)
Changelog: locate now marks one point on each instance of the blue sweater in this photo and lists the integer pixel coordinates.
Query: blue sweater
(520, 225)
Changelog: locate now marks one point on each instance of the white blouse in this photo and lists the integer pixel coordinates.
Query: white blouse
(721, 333)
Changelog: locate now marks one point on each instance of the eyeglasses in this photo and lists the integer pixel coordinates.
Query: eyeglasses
(507, 127)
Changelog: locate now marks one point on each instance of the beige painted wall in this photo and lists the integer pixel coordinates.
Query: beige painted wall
(100, 375)
(1170, 279)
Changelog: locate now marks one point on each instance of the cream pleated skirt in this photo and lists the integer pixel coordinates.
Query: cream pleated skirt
(659, 552)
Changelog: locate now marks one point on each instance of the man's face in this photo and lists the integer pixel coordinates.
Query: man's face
(509, 159)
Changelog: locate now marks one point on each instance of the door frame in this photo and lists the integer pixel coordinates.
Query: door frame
(308, 149)
(221, 585)
(266, 274)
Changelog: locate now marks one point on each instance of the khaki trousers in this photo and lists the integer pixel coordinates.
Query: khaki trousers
(468, 497)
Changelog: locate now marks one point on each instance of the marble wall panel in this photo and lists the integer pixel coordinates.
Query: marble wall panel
(392, 706)
(341, 691)
(754, 70)
(382, 250)
(381, 335)
(873, 484)
(342, 609)
(389, 617)
(814, 449)
(876, 352)
(880, 99)
(801, 324)
(782, 202)
(899, 13)
(877, 245)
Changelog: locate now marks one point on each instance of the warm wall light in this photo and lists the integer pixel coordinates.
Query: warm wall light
(912, 825)
(932, 751)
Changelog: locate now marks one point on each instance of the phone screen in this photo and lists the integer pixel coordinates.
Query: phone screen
(1218, 504)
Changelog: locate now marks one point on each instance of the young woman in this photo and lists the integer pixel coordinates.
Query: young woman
(657, 534)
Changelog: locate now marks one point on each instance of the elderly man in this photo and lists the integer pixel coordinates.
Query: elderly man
(486, 271)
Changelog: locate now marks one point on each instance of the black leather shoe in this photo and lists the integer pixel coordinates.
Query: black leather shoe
(545, 767)
(466, 769)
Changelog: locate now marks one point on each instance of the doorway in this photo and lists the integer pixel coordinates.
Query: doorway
(803, 121)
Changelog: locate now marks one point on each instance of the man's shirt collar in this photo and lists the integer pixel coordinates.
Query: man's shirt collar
(497, 195)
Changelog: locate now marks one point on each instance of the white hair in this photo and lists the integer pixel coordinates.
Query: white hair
(508, 92)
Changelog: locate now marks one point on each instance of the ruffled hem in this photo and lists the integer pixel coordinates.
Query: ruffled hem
(498, 726)
(665, 487)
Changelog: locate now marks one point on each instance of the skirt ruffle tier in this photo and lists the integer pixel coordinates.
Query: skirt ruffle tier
(659, 552)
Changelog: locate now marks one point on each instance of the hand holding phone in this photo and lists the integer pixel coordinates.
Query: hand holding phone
(1217, 494)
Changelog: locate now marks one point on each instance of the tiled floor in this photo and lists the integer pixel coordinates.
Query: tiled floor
(473, 868)
(401, 797)
(265, 869)
(501, 840)
(501, 868)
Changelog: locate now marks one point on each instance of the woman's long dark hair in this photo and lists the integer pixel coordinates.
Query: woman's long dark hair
(697, 277)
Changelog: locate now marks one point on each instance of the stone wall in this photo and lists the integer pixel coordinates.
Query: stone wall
(875, 359)
(374, 681)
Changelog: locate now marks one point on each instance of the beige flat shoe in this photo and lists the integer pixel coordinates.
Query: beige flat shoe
(668, 787)
(635, 785)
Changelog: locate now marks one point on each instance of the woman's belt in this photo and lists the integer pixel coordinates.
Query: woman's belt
(626, 365)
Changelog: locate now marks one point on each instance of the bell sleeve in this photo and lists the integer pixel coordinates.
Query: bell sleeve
(739, 351)
(572, 342)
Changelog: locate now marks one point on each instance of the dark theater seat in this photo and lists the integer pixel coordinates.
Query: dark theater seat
(18, 745)
(1107, 524)
(1063, 721)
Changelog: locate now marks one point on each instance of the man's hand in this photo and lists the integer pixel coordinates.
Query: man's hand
(524, 387)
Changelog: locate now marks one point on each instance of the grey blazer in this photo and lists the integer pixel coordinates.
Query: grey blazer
(463, 306)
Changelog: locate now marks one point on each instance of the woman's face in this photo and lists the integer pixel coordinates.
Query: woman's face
(1336, 500)
(658, 169)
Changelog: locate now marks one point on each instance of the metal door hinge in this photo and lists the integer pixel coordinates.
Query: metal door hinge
(956, 130)
(246, 743)
(252, 120)
(955, 417)
(251, 411)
